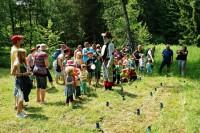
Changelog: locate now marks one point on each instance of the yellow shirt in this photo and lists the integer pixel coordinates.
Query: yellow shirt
(83, 75)
(13, 56)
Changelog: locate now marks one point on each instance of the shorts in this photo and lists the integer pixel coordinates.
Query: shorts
(18, 92)
(98, 74)
(41, 82)
(15, 91)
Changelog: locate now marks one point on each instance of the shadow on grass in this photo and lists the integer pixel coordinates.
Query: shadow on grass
(37, 117)
(57, 103)
(34, 109)
(79, 104)
(92, 92)
(52, 90)
(125, 93)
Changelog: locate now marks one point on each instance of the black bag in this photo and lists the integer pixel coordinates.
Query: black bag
(40, 71)
(58, 68)
(104, 51)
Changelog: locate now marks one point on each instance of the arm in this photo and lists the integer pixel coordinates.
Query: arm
(111, 49)
(172, 57)
(46, 62)
(15, 72)
(134, 55)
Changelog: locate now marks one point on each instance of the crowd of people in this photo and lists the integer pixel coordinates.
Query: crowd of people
(83, 68)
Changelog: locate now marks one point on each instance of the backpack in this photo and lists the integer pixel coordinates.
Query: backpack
(56, 54)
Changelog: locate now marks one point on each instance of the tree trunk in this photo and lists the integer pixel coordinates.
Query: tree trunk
(12, 17)
(130, 38)
(30, 22)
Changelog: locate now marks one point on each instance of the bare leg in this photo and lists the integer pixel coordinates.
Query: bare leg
(38, 95)
(42, 95)
(19, 107)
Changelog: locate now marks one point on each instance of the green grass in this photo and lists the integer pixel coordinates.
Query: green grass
(181, 112)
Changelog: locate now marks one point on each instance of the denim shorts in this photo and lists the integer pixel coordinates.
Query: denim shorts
(18, 92)
(16, 86)
(41, 82)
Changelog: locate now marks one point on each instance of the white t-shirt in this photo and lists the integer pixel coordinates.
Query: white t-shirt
(141, 62)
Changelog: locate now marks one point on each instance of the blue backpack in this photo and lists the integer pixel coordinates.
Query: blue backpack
(56, 54)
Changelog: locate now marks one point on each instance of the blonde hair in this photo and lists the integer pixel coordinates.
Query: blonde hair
(70, 71)
(20, 53)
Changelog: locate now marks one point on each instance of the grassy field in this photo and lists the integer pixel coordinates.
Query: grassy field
(180, 97)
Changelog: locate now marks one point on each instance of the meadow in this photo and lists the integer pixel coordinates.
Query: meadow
(180, 97)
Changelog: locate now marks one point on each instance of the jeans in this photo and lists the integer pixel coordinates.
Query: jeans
(181, 67)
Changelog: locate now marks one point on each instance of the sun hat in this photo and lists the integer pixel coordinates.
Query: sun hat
(70, 63)
(43, 47)
(106, 34)
(16, 38)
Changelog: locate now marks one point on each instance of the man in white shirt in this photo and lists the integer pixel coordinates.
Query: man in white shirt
(17, 40)
(107, 54)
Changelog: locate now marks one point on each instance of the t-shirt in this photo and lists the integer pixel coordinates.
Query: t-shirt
(84, 52)
(83, 75)
(90, 62)
(118, 69)
(167, 55)
(182, 56)
(13, 56)
(39, 59)
(98, 64)
(141, 62)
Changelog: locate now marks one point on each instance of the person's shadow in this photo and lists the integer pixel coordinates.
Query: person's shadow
(37, 117)
(123, 92)
(34, 109)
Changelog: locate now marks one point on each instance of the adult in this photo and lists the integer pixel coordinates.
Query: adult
(40, 71)
(78, 49)
(167, 58)
(137, 54)
(59, 66)
(17, 40)
(108, 60)
(182, 58)
(30, 59)
(85, 50)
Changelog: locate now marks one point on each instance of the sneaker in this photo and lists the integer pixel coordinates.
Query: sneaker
(20, 115)
(25, 115)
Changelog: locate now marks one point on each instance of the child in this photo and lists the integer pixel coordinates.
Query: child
(69, 85)
(142, 63)
(78, 60)
(132, 74)
(118, 69)
(125, 61)
(149, 66)
(23, 83)
(98, 64)
(90, 66)
(124, 75)
(77, 80)
(83, 78)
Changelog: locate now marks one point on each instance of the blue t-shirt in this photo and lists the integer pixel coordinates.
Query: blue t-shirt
(85, 56)
(167, 55)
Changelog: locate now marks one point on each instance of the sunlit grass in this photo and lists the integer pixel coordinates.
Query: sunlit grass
(180, 96)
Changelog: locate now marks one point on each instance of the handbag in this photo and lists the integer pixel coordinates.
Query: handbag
(40, 71)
